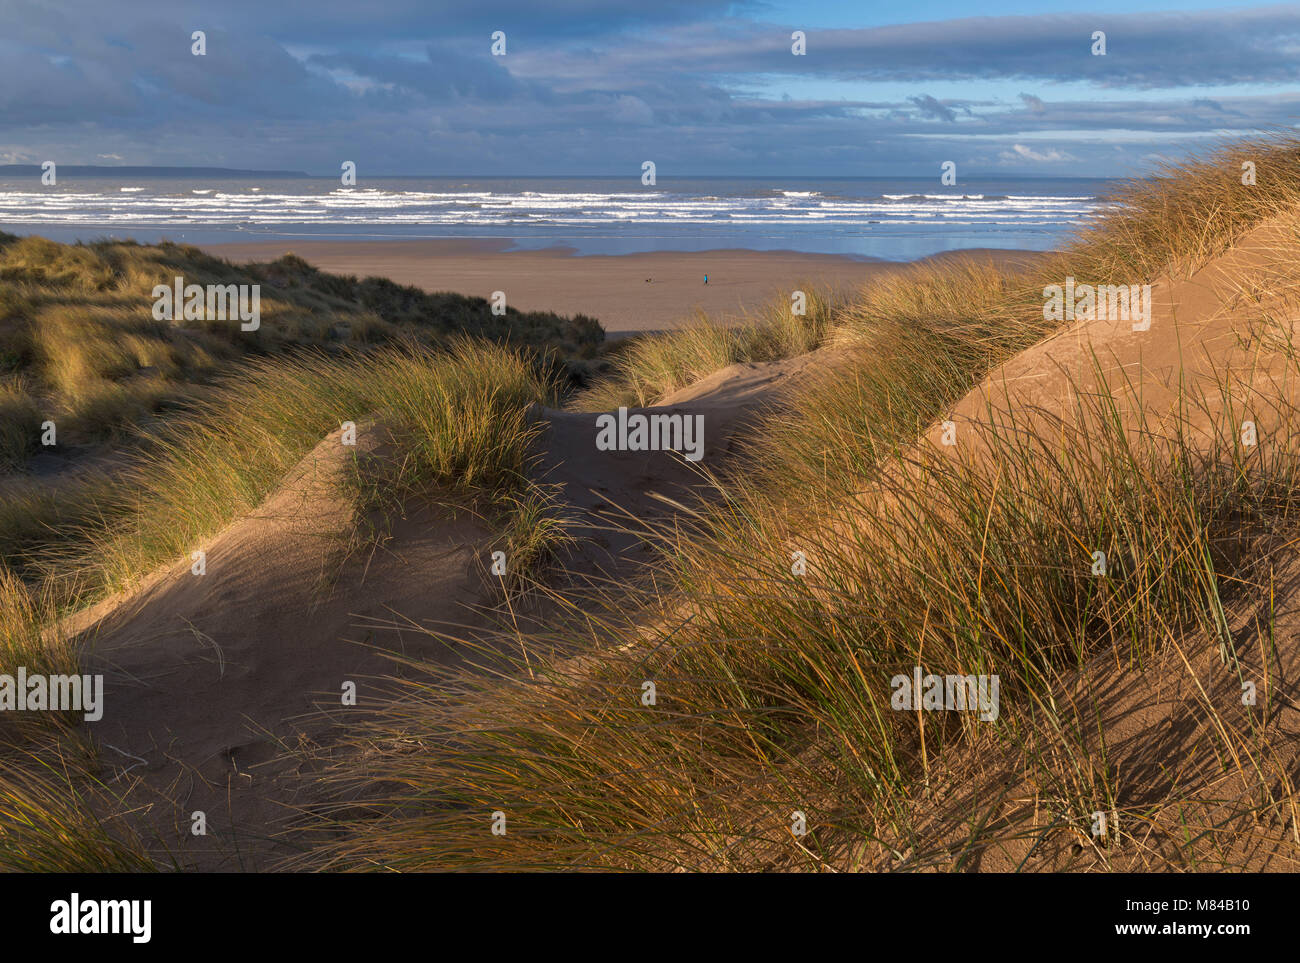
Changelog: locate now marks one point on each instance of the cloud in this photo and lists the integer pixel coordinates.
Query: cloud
(1145, 50)
(1020, 151)
(350, 21)
(929, 107)
(632, 110)
(410, 86)
(444, 73)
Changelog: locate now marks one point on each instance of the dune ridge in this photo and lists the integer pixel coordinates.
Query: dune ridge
(695, 670)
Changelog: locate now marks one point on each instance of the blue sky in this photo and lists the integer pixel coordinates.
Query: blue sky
(698, 86)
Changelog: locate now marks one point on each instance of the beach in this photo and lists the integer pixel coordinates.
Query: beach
(628, 293)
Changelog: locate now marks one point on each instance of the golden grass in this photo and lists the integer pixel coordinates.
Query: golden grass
(654, 365)
(79, 344)
(1192, 209)
(773, 687)
(460, 416)
(460, 419)
(48, 820)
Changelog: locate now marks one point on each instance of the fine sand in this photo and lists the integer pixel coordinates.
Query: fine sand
(215, 686)
(627, 293)
(224, 691)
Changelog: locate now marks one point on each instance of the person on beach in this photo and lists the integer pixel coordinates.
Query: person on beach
(706, 279)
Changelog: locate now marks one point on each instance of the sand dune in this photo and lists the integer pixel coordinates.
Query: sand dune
(221, 687)
(218, 685)
(1203, 328)
(215, 683)
(213, 680)
(1156, 726)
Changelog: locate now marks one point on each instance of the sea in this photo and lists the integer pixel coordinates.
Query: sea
(867, 217)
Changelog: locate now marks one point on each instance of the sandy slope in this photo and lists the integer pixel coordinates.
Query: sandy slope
(612, 497)
(1202, 326)
(206, 675)
(1159, 734)
(1165, 725)
(214, 681)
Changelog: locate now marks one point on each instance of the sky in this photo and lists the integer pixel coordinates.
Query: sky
(699, 87)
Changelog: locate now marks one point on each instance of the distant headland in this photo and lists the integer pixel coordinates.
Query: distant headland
(77, 170)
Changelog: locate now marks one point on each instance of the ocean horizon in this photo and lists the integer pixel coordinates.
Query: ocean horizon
(890, 218)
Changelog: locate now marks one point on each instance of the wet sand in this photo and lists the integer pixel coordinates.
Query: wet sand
(627, 293)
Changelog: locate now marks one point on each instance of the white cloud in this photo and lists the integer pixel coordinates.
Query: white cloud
(1052, 156)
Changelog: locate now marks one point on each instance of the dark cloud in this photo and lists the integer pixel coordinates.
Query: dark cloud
(929, 107)
(350, 21)
(409, 86)
(1147, 50)
(445, 73)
